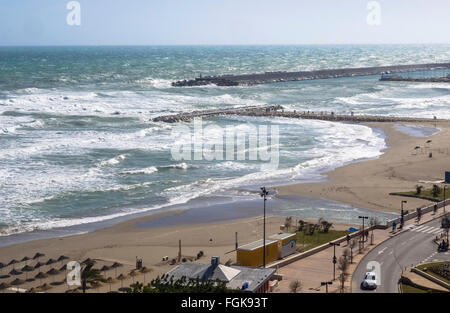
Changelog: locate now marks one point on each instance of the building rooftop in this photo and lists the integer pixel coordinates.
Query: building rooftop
(256, 244)
(282, 236)
(234, 276)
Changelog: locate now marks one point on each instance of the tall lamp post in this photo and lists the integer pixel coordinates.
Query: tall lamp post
(334, 244)
(363, 235)
(445, 187)
(402, 219)
(264, 194)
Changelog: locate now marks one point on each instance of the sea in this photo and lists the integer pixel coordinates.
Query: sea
(78, 145)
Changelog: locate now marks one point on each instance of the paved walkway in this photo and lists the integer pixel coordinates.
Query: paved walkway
(317, 268)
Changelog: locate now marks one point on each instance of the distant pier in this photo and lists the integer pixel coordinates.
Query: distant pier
(397, 78)
(272, 77)
(278, 111)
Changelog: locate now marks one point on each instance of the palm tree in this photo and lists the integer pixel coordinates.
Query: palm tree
(90, 275)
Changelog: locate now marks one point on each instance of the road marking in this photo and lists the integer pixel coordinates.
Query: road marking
(426, 228)
(381, 251)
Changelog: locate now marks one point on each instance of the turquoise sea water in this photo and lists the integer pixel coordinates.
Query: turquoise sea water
(77, 144)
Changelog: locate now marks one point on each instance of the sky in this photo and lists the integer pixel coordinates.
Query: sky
(224, 22)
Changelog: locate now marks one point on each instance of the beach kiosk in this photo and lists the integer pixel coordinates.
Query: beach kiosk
(286, 242)
(252, 254)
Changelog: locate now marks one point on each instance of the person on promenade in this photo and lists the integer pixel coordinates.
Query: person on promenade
(394, 226)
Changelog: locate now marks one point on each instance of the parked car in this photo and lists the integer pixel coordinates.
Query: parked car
(369, 282)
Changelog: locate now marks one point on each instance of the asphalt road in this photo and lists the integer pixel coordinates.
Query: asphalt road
(412, 247)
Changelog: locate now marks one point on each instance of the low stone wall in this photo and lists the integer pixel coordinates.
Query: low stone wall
(431, 277)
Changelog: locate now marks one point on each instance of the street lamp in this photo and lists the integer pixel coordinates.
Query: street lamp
(264, 194)
(334, 244)
(363, 218)
(402, 219)
(326, 283)
(445, 187)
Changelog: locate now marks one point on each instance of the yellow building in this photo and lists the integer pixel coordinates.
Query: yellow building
(252, 254)
(287, 244)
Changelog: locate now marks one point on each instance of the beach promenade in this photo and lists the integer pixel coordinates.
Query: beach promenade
(317, 268)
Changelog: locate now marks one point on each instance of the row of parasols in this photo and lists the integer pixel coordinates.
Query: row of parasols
(41, 275)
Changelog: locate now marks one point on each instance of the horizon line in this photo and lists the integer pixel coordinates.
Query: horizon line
(219, 44)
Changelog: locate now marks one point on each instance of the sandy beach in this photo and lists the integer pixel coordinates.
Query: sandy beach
(365, 184)
(368, 184)
(124, 242)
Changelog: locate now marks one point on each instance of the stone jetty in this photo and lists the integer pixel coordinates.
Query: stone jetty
(278, 111)
(272, 77)
(244, 111)
(397, 78)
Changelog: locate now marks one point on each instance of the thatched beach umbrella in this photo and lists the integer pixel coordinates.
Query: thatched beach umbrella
(110, 281)
(105, 268)
(88, 261)
(97, 284)
(122, 277)
(53, 272)
(15, 272)
(62, 258)
(145, 270)
(4, 286)
(27, 269)
(63, 268)
(25, 259)
(17, 282)
(2, 265)
(13, 262)
(38, 265)
(50, 262)
(115, 266)
(44, 287)
(38, 255)
(41, 276)
(133, 274)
